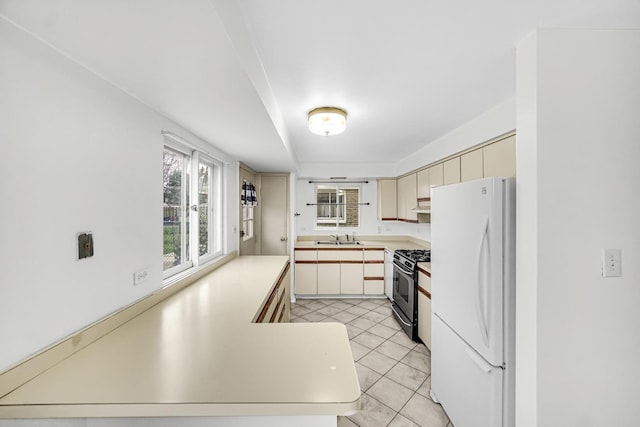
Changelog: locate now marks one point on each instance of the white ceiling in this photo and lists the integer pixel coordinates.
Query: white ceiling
(243, 74)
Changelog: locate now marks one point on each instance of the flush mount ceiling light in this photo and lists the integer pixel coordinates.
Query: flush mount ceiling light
(327, 121)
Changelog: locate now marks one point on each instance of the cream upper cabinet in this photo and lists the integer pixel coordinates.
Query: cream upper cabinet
(402, 198)
(424, 189)
(436, 175)
(407, 198)
(471, 166)
(387, 199)
(500, 158)
(451, 171)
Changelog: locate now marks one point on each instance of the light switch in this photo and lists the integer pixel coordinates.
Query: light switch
(611, 263)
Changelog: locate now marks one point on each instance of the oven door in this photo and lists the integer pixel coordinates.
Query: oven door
(403, 292)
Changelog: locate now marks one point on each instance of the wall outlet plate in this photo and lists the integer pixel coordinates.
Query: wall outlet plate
(611, 263)
(85, 244)
(140, 276)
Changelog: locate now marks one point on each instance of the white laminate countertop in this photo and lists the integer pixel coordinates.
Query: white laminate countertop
(198, 354)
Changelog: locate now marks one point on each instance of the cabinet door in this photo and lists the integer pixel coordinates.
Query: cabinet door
(407, 198)
(424, 189)
(451, 171)
(306, 277)
(436, 175)
(402, 197)
(328, 278)
(351, 278)
(471, 165)
(387, 200)
(329, 272)
(412, 197)
(286, 310)
(424, 319)
(500, 158)
(424, 308)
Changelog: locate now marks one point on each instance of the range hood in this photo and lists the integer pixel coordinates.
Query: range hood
(422, 209)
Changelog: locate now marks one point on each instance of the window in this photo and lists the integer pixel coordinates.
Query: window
(176, 219)
(337, 206)
(247, 222)
(192, 226)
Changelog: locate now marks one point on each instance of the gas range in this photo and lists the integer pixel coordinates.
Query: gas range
(405, 288)
(409, 258)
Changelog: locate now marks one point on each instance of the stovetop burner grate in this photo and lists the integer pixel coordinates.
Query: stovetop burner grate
(416, 255)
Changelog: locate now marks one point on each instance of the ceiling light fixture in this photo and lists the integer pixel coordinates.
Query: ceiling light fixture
(327, 121)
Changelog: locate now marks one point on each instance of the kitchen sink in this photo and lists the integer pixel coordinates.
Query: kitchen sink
(337, 243)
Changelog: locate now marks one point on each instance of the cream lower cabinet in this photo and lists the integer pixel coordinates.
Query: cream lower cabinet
(374, 271)
(278, 305)
(351, 278)
(306, 271)
(424, 308)
(351, 272)
(328, 272)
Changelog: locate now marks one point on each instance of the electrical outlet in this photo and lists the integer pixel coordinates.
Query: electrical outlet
(85, 244)
(140, 276)
(611, 263)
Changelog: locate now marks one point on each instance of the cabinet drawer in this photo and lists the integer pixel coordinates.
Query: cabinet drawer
(328, 255)
(374, 254)
(351, 255)
(373, 287)
(374, 270)
(424, 281)
(306, 255)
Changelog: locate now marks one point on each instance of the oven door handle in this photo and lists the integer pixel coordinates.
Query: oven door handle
(399, 317)
(402, 269)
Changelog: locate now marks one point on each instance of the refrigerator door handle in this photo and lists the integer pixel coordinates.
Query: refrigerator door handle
(479, 361)
(481, 285)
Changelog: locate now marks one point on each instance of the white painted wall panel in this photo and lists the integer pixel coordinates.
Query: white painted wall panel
(585, 133)
(78, 154)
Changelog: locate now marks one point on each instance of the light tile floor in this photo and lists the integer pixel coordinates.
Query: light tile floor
(394, 372)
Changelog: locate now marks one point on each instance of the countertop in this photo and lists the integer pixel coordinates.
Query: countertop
(198, 354)
(385, 242)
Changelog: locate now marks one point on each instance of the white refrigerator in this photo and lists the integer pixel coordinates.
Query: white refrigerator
(473, 301)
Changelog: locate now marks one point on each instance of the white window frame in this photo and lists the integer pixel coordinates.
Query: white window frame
(184, 265)
(248, 223)
(337, 220)
(215, 202)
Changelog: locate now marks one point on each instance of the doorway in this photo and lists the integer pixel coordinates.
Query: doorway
(274, 214)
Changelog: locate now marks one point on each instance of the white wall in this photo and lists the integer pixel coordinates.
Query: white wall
(78, 154)
(369, 224)
(347, 170)
(578, 135)
(492, 123)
